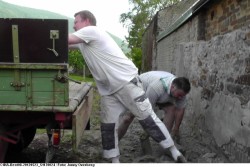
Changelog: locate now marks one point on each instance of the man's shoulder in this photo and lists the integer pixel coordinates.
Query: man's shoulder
(158, 73)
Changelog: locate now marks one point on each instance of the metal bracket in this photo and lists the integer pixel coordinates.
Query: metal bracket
(15, 43)
(54, 34)
(17, 84)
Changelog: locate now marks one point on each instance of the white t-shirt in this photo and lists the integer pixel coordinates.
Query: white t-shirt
(109, 66)
(153, 84)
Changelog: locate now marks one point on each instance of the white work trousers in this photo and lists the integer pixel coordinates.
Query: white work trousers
(131, 97)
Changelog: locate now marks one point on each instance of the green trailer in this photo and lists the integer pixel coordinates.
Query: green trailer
(35, 88)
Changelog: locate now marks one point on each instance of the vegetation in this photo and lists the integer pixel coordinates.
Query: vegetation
(137, 20)
(84, 79)
(8, 10)
(76, 60)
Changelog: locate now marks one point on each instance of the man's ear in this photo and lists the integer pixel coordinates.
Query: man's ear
(87, 21)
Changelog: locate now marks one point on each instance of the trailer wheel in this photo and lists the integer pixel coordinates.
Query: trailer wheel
(27, 135)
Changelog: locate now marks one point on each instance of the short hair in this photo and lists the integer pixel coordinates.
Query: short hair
(85, 14)
(182, 83)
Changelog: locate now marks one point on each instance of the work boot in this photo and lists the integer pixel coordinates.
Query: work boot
(181, 159)
(145, 144)
(115, 159)
(180, 148)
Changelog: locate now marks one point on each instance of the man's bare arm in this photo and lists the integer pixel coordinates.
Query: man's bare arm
(72, 39)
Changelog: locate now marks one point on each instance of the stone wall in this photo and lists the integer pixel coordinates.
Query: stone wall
(219, 72)
(212, 48)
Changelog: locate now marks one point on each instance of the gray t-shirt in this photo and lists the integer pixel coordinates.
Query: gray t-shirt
(157, 87)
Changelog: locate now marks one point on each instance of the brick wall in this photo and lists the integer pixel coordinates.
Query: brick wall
(226, 16)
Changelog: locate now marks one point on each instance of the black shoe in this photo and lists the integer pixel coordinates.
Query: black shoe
(181, 159)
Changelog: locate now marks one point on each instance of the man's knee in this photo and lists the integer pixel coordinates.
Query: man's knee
(127, 119)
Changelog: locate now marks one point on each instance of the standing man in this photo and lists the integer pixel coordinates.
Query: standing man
(166, 91)
(117, 81)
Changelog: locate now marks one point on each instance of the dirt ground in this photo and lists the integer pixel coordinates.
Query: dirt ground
(195, 148)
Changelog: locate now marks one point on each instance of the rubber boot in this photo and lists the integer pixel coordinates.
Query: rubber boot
(145, 144)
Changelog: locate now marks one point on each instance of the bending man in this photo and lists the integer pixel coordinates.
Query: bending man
(166, 91)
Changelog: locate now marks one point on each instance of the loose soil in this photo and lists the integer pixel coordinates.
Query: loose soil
(195, 148)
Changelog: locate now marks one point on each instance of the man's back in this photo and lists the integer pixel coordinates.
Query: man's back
(106, 61)
(157, 87)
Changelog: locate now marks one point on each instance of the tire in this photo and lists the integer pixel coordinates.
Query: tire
(27, 135)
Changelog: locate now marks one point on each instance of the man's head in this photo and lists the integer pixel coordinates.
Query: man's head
(180, 87)
(84, 18)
